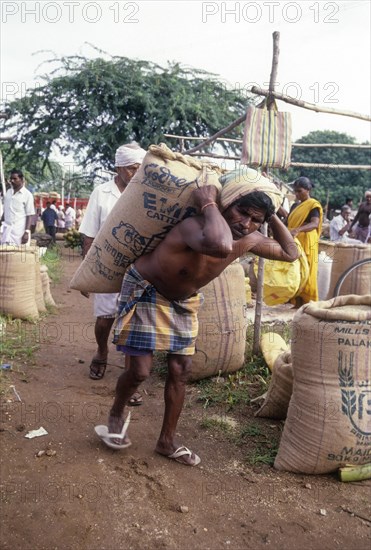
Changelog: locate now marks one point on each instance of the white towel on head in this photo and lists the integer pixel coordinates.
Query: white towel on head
(243, 181)
(127, 156)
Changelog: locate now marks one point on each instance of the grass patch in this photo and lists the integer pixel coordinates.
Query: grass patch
(260, 442)
(18, 342)
(235, 389)
(215, 424)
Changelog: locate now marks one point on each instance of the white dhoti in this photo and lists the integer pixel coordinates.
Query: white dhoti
(105, 305)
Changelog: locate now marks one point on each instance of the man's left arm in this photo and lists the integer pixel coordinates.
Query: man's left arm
(30, 212)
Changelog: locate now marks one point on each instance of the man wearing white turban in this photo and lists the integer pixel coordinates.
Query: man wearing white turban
(159, 299)
(128, 159)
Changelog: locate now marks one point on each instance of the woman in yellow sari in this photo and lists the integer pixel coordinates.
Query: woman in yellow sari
(305, 223)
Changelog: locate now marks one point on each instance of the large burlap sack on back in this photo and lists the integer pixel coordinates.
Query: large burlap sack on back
(279, 392)
(156, 199)
(328, 421)
(343, 256)
(18, 282)
(221, 341)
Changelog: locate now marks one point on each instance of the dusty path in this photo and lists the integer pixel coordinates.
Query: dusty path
(85, 496)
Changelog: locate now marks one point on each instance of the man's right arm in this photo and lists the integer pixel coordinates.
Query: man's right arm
(212, 235)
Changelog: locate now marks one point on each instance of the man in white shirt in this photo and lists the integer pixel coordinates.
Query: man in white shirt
(18, 211)
(69, 217)
(128, 159)
(340, 225)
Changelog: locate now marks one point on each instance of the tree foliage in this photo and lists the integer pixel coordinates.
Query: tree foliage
(89, 107)
(335, 184)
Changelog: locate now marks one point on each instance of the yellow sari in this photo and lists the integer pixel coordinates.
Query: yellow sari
(309, 242)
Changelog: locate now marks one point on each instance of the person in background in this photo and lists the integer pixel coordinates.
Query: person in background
(361, 222)
(340, 226)
(305, 223)
(60, 222)
(69, 217)
(19, 209)
(78, 219)
(49, 218)
(349, 202)
(128, 159)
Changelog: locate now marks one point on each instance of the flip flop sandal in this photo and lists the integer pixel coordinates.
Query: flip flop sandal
(184, 451)
(105, 436)
(135, 400)
(98, 372)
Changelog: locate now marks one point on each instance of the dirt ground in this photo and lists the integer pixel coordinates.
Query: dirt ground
(82, 495)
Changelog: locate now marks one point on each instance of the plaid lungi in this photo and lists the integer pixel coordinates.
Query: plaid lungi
(148, 321)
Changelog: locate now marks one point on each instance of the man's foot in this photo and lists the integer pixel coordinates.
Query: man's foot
(97, 368)
(181, 454)
(114, 435)
(135, 400)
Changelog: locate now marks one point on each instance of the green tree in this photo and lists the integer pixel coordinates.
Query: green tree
(335, 184)
(88, 108)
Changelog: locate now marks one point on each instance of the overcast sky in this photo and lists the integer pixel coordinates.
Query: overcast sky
(324, 46)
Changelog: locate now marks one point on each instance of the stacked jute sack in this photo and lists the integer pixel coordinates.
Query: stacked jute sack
(156, 199)
(24, 283)
(277, 355)
(343, 256)
(221, 341)
(324, 393)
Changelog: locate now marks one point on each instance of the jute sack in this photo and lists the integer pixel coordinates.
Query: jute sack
(39, 295)
(279, 392)
(221, 342)
(156, 199)
(328, 421)
(18, 282)
(32, 249)
(45, 281)
(344, 255)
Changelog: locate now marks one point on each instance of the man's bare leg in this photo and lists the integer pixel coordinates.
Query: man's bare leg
(102, 330)
(136, 399)
(139, 368)
(175, 387)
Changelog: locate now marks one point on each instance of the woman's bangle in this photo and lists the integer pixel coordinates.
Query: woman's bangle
(212, 203)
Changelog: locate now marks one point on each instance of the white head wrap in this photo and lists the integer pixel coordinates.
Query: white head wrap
(244, 180)
(127, 156)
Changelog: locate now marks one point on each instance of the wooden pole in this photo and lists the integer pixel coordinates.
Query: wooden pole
(310, 145)
(260, 277)
(220, 133)
(259, 301)
(276, 53)
(305, 105)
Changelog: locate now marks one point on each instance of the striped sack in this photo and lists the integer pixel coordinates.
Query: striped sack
(267, 137)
